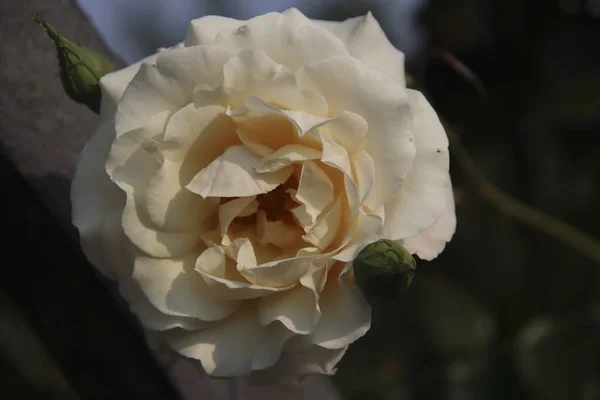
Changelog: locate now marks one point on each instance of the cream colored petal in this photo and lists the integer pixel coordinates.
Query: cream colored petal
(150, 317)
(337, 157)
(253, 73)
(251, 141)
(366, 230)
(422, 198)
(148, 94)
(325, 230)
(349, 130)
(212, 265)
(97, 204)
(231, 210)
(278, 274)
(250, 209)
(113, 85)
(202, 31)
(152, 241)
(287, 155)
(253, 106)
(234, 175)
(363, 168)
(175, 288)
(345, 314)
(315, 192)
(234, 347)
(292, 367)
(171, 206)
(430, 242)
(366, 41)
(282, 40)
(277, 233)
(297, 309)
(350, 85)
(129, 164)
(191, 66)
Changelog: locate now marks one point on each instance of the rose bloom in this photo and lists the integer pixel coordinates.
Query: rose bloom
(235, 177)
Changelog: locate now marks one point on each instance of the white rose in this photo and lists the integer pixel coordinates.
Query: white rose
(233, 180)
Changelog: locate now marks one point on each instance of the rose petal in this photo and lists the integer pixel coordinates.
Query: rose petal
(430, 242)
(350, 85)
(367, 229)
(175, 288)
(315, 192)
(363, 168)
(150, 317)
(297, 309)
(97, 204)
(231, 210)
(203, 30)
(234, 175)
(325, 230)
(345, 314)
(254, 73)
(279, 38)
(112, 86)
(366, 41)
(422, 197)
(190, 66)
(287, 155)
(233, 347)
(148, 94)
(349, 130)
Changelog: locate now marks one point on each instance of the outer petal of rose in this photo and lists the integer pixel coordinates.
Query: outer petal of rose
(348, 130)
(366, 41)
(366, 230)
(203, 30)
(97, 203)
(129, 164)
(156, 243)
(234, 175)
(282, 40)
(114, 84)
(350, 85)
(363, 168)
(293, 366)
(422, 197)
(149, 316)
(171, 207)
(149, 93)
(233, 347)
(430, 242)
(315, 192)
(287, 155)
(297, 309)
(345, 314)
(175, 288)
(254, 73)
(191, 66)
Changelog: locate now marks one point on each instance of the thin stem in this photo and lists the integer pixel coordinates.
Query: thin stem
(520, 211)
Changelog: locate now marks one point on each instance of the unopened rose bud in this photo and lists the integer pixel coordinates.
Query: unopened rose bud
(384, 269)
(80, 68)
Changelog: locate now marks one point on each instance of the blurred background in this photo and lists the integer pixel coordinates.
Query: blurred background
(506, 312)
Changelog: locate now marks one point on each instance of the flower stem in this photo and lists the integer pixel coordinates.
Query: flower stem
(520, 211)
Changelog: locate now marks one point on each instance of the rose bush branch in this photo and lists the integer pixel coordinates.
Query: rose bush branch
(513, 208)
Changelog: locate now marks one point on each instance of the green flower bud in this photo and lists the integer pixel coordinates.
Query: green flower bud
(384, 269)
(80, 68)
